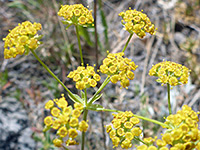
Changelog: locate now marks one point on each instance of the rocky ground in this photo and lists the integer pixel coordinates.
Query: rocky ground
(25, 86)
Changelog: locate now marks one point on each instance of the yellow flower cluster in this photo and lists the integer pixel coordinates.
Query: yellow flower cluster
(76, 14)
(137, 22)
(123, 129)
(119, 68)
(23, 37)
(84, 77)
(170, 72)
(183, 133)
(65, 120)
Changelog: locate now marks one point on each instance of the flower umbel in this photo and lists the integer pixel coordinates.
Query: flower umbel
(65, 120)
(119, 68)
(123, 129)
(76, 14)
(183, 133)
(170, 72)
(137, 22)
(84, 77)
(22, 38)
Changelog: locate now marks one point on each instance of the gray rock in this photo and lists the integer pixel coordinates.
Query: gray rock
(14, 127)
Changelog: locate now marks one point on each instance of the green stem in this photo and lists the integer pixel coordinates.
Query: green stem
(83, 133)
(169, 104)
(140, 140)
(79, 45)
(151, 120)
(53, 75)
(127, 42)
(140, 117)
(106, 81)
(85, 97)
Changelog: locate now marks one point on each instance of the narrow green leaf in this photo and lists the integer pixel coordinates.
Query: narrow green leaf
(76, 99)
(85, 34)
(82, 95)
(17, 4)
(96, 97)
(46, 128)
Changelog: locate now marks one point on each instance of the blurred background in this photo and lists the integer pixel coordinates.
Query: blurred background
(25, 86)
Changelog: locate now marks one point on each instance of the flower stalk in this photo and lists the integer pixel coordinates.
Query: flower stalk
(79, 44)
(53, 75)
(130, 36)
(169, 103)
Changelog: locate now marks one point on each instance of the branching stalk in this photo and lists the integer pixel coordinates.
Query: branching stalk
(53, 75)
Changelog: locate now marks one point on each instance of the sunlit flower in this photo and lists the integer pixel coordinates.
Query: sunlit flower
(21, 39)
(118, 68)
(137, 22)
(84, 77)
(123, 131)
(170, 72)
(64, 119)
(76, 14)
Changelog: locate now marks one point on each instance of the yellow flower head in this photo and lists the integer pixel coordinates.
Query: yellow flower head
(118, 68)
(170, 72)
(183, 129)
(137, 22)
(76, 14)
(84, 77)
(64, 119)
(123, 131)
(21, 39)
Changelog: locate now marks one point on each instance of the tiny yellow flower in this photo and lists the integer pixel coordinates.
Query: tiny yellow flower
(55, 112)
(57, 142)
(134, 120)
(126, 144)
(120, 131)
(73, 133)
(136, 131)
(62, 132)
(73, 122)
(49, 104)
(48, 121)
(108, 128)
(142, 147)
(128, 125)
(83, 126)
(78, 106)
(115, 141)
(61, 102)
(76, 113)
(71, 142)
(56, 124)
(129, 136)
